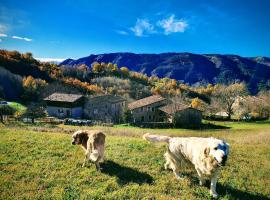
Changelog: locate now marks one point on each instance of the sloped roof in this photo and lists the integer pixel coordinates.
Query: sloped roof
(146, 101)
(172, 108)
(106, 98)
(62, 97)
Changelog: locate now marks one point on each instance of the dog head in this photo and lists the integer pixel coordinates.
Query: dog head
(79, 137)
(218, 150)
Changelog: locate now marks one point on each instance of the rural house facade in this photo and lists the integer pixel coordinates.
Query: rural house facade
(182, 115)
(106, 108)
(65, 105)
(146, 109)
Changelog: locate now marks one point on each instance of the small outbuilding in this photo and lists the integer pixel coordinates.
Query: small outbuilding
(65, 105)
(182, 115)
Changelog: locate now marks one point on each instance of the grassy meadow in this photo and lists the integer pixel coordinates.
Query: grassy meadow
(39, 162)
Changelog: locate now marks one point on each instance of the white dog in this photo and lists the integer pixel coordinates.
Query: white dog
(207, 155)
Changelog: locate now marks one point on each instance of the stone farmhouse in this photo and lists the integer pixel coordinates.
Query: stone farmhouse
(103, 108)
(107, 108)
(158, 109)
(65, 105)
(146, 109)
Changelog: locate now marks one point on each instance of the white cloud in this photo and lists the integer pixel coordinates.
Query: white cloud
(121, 32)
(54, 60)
(142, 28)
(172, 25)
(22, 38)
(3, 35)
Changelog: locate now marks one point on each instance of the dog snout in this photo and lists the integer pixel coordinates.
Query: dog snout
(224, 159)
(73, 142)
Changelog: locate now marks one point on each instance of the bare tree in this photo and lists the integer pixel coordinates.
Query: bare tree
(226, 96)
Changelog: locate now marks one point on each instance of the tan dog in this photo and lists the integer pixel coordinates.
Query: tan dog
(93, 143)
(207, 155)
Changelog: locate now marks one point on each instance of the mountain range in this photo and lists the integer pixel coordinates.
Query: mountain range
(190, 68)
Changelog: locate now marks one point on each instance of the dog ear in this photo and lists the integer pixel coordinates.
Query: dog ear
(206, 151)
(83, 136)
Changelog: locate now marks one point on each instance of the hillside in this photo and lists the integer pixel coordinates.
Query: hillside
(190, 68)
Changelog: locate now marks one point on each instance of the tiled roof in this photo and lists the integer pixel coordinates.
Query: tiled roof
(172, 108)
(145, 101)
(62, 97)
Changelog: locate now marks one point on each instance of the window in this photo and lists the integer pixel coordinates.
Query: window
(68, 113)
(149, 117)
(60, 110)
(153, 109)
(141, 109)
(142, 118)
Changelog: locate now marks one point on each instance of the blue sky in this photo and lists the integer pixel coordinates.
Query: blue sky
(73, 29)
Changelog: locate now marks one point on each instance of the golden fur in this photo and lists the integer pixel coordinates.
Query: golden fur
(206, 155)
(93, 143)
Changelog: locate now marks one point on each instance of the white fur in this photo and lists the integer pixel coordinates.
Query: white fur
(205, 154)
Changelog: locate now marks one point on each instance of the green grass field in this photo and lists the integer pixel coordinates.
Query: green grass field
(39, 162)
(17, 106)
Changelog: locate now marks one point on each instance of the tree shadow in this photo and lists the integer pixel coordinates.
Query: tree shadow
(210, 126)
(124, 174)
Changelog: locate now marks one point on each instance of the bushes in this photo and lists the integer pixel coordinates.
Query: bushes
(6, 110)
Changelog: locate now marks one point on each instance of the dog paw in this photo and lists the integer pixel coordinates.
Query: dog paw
(202, 182)
(214, 195)
(179, 177)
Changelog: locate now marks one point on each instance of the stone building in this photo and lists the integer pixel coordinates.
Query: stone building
(65, 105)
(105, 108)
(182, 115)
(146, 109)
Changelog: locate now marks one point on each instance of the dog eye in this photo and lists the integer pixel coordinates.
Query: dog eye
(215, 148)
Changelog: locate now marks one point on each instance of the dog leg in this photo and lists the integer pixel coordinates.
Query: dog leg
(176, 172)
(177, 175)
(86, 159)
(201, 178)
(213, 192)
(166, 165)
(97, 166)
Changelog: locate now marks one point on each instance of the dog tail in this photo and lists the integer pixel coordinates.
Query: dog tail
(156, 138)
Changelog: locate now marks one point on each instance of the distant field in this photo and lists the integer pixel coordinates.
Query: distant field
(39, 162)
(17, 106)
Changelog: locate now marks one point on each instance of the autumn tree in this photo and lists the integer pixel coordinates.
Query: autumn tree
(97, 67)
(32, 88)
(197, 103)
(124, 71)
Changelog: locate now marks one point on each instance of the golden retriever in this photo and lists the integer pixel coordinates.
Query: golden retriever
(93, 143)
(207, 155)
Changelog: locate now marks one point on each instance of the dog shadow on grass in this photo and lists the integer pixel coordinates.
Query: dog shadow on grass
(226, 190)
(125, 174)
